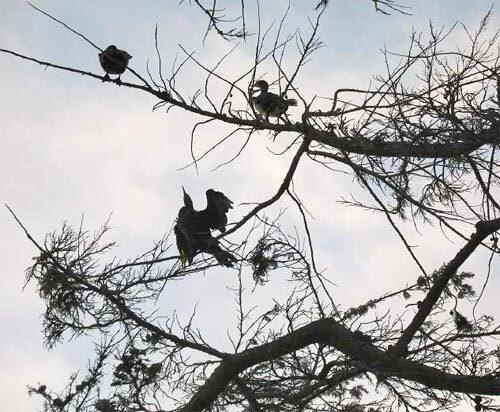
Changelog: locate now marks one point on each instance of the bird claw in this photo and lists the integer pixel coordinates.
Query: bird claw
(106, 78)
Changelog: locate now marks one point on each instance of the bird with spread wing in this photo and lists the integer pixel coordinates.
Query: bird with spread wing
(193, 228)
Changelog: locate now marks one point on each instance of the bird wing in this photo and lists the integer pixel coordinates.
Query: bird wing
(263, 103)
(218, 205)
(270, 104)
(222, 202)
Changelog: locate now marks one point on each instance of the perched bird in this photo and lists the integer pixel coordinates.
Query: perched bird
(114, 61)
(269, 104)
(192, 231)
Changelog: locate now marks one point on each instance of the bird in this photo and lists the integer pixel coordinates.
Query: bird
(114, 61)
(269, 104)
(193, 228)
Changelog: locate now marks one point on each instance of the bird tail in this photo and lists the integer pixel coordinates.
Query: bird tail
(223, 257)
(291, 102)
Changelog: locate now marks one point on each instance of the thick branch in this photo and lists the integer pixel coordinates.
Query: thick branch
(483, 229)
(329, 332)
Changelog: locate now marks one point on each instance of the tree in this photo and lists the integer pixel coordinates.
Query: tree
(421, 142)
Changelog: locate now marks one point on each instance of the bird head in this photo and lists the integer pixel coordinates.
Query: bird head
(187, 199)
(107, 50)
(261, 85)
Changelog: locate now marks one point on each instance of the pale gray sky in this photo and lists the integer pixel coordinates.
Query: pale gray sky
(71, 146)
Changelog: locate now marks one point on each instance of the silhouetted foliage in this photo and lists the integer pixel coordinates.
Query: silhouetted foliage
(421, 141)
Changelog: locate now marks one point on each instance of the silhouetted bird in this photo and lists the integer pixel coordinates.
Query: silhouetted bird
(269, 104)
(192, 231)
(114, 61)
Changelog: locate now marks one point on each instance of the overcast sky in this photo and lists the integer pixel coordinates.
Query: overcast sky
(72, 146)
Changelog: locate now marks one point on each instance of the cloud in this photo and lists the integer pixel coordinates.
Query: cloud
(70, 145)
